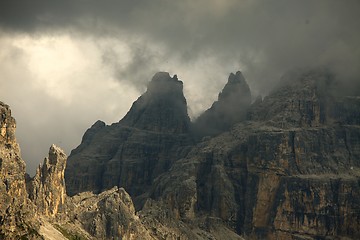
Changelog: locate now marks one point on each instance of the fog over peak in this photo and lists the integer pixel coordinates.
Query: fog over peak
(68, 63)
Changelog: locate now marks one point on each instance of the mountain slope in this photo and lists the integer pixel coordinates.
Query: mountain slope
(285, 167)
(144, 144)
(291, 171)
(16, 211)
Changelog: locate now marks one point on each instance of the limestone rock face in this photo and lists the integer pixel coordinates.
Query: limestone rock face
(231, 107)
(306, 99)
(316, 206)
(16, 213)
(162, 108)
(290, 172)
(47, 188)
(286, 167)
(108, 215)
(144, 144)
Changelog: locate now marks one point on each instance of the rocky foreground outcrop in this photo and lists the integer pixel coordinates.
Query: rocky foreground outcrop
(108, 215)
(47, 188)
(16, 211)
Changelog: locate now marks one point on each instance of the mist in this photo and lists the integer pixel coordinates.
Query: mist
(66, 64)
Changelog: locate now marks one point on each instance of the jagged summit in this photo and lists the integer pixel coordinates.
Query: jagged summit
(231, 107)
(161, 108)
(47, 188)
(162, 83)
(288, 170)
(141, 146)
(16, 213)
(235, 91)
(235, 82)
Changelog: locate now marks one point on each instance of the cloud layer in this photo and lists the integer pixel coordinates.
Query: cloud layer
(68, 63)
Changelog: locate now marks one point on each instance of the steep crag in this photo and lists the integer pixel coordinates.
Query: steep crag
(144, 144)
(16, 211)
(291, 171)
(47, 189)
(283, 167)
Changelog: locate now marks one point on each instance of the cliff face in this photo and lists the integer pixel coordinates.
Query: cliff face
(232, 106)
(38, 208)
(162, 108)
(131, 153)
(285, 167)
(108, 215)
(47, 188)
(289, 172)
(16, 212)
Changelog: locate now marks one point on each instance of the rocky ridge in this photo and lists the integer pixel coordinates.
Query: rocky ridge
(287, 168)
(291, 171)
(38, 207)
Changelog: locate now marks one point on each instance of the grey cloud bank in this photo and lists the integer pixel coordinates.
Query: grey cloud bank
(201, 41)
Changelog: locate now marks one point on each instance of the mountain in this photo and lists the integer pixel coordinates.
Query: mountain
(133, 152)
(231, 107)
(16, 211)
(283, 167)
(38, 207)
(47, 188)
(290, 171)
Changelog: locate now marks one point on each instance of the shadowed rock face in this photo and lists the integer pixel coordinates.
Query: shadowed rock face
(285, 167)
(288, 168)
(231, 107)
(131, 153)
(291, 172)
(162, 108)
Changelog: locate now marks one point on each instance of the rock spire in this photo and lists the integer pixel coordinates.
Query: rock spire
(231, 107)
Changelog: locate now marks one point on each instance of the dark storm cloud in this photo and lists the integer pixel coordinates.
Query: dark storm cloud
(141, 64)
(266, 37)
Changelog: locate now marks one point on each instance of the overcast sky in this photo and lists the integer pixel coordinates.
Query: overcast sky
(66, 64)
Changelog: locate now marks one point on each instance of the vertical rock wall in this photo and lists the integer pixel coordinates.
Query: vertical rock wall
(16, 212)
(47, 188)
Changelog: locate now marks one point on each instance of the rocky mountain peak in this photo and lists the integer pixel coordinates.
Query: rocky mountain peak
(57, 156)
(16, 214)
(47, 188)
(288, 170)
(137, 149)
(7, 124)
(163, 84)
(235, 87)
(231, 107)
(162, 108)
